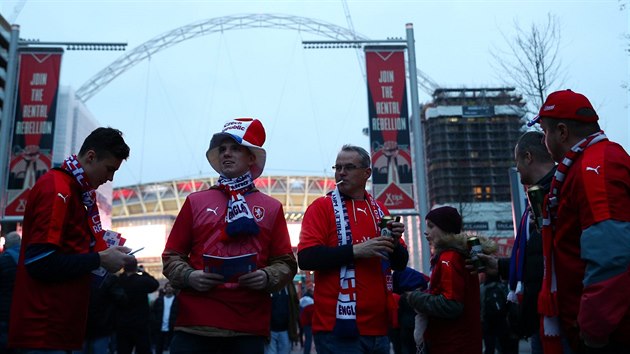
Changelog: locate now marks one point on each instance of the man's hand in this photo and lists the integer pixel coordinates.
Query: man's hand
(114, 258)
(593, 345)
(202, 281)
(490, 261)
(397, 228)
(375, 247)
(256, 280)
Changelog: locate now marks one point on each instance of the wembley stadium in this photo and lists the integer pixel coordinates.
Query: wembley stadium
(144, 213)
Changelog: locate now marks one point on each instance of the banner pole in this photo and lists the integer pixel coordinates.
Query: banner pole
(419, 159)
(8, 114)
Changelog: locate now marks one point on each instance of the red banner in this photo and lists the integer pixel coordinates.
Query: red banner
(34, 126)
(392, 168)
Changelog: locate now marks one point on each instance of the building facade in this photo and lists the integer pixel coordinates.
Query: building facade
(469, 140)
(5, 39)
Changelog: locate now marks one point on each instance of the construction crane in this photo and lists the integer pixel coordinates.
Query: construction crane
(427, 84)
(16, 11)
(357, 51)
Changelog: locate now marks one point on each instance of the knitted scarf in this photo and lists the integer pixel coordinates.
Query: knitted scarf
(547, 298)
(238, 217)
(346, 309)
(88, 197)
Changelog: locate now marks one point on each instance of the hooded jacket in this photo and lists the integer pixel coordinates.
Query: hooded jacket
(452, 302)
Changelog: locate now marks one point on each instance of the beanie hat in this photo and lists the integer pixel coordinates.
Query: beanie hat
(248, 132)
(446, 218)
(566, 104)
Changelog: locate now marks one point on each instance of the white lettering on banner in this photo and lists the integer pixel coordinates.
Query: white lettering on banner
(393, 199)
(389, 124)
(35, 111)
(386, 76)
(37, 95)
(25, 128)
(387, 91)
(39, 79)
(346, 310)
(387, 108)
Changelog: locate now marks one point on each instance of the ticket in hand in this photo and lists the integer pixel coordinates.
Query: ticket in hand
(113, 238)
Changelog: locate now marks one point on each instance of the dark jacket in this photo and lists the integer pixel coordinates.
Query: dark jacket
(285, 311)
(105, 297)
(8, 267)
(523, 318)
(136, 312)
(157, 311)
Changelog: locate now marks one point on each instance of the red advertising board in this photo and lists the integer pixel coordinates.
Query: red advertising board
(392, 168)
(34, 125)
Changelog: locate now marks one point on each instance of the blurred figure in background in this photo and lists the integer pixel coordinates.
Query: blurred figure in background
(306, 319)
(106, 296)
(164, 315)
(8, 267)
(408, 279)
(284, 320)
(133, 329)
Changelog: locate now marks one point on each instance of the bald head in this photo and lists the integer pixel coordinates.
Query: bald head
(12, 239)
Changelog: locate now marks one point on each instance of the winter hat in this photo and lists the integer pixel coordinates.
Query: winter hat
(248, 132)
(446, 218)
(566, 104)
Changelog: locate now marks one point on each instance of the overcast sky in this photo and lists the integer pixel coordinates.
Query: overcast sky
(310, 101)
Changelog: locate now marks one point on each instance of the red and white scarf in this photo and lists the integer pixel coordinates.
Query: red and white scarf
(88, 197)
(238, 217)
(547, 299)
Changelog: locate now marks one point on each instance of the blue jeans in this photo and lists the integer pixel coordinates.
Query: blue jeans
(95, 346)
(327, 343)
(308, 339)
(278, 343)
(186, 343)
(535, 343)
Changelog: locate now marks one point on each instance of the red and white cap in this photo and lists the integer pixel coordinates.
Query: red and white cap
(248, 132)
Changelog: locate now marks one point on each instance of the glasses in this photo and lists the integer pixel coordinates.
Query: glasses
(348, 167)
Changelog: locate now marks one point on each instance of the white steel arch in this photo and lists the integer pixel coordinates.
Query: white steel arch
(221, 24)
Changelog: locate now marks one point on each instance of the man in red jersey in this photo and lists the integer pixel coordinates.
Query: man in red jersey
(232, 218)
(341, 241)
(586, 232)
(62, 244)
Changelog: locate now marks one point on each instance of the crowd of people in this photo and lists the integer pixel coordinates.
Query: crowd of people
(230, 264)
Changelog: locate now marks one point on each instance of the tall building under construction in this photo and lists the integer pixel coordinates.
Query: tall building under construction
(469, 139)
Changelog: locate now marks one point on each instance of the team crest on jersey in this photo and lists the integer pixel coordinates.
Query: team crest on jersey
(259, 213)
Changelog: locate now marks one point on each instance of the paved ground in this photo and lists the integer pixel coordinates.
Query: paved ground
(523, 349)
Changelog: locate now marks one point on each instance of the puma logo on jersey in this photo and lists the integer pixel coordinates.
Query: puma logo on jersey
(594, 169)
(62, 197)
(448, 263)
(213, 210)
(362, 210)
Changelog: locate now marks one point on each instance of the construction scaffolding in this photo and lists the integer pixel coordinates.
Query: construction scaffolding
(470, 136)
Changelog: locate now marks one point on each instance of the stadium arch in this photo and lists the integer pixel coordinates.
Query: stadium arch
(157, 204)
(220, 24)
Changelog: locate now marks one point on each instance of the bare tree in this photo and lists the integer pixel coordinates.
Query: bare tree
(531, 62)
